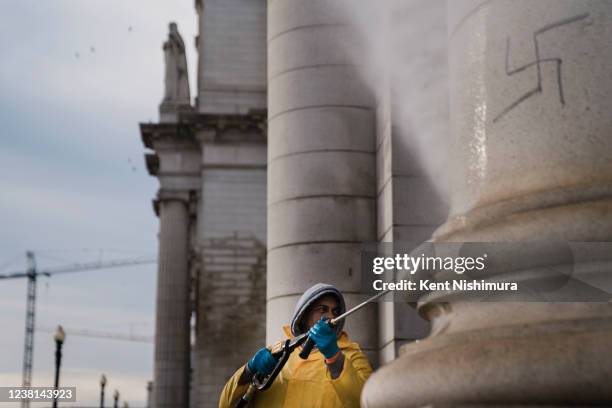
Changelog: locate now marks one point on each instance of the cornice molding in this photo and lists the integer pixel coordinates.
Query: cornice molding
(250, 127)
(188, 197)
(175, 132)
(152, 162)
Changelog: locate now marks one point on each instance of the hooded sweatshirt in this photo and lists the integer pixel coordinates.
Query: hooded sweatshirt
(310, 297)
(308, 383)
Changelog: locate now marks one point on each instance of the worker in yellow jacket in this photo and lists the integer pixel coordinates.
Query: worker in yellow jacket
(332, 376)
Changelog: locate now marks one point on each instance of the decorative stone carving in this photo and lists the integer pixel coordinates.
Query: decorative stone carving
(176, 80)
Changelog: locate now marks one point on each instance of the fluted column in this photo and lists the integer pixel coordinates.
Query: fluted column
(530, 116)
(321, 162)
(171, 368)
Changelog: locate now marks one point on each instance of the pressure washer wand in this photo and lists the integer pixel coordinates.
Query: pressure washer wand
(359, 306)
(309, 343)
(282, 352)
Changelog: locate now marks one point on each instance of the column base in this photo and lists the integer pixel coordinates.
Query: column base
(559, 362)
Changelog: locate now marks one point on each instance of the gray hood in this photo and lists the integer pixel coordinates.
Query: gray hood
(308, 298)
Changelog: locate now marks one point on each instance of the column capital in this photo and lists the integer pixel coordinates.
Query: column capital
(188, 197)
(173, 195)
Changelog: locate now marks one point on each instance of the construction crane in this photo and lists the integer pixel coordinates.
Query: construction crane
(31, 274)
(100, 334)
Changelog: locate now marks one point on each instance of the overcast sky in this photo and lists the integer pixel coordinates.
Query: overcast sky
(76, 78)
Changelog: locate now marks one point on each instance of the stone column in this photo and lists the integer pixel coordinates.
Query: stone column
(321, 163)
(171, 367)
(412, 124)
(530, 90)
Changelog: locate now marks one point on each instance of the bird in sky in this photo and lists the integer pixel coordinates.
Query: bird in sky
(132, 165)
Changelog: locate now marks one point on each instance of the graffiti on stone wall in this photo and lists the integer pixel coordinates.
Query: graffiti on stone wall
(537, 63)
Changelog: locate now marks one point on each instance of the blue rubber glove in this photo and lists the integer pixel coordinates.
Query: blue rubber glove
(324, 337)
(262, 362)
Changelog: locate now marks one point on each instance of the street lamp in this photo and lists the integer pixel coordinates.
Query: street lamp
(149, 390)
(116, 397)
(59, 338)
(102, 385)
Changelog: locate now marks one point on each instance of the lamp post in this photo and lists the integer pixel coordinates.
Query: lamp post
(116, 398)
(149, 390)
(102, 385)
(59, 338)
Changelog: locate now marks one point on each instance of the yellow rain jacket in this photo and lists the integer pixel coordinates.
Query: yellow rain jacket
(307, 383)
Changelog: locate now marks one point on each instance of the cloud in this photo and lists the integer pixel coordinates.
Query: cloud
(95, 101)
(125, 70)
(69, 127)
(64, 202)
(83, 301)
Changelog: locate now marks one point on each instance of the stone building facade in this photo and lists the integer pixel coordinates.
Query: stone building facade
(210, 160)
(295, 153)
